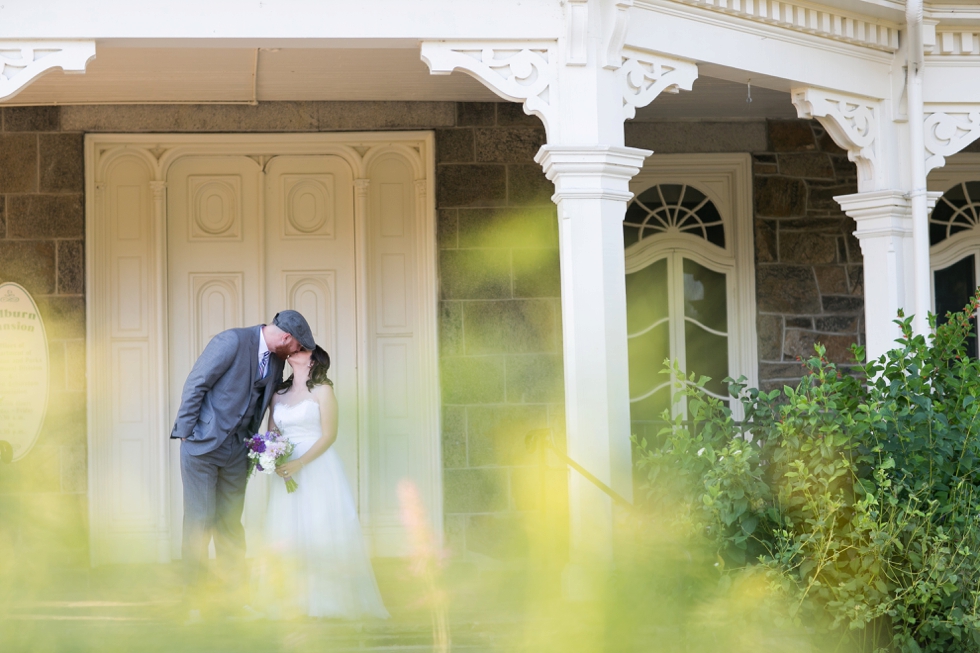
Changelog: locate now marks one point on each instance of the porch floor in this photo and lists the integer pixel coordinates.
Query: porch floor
(123, 609)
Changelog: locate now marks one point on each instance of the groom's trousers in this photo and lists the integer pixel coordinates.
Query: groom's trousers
(214, 498)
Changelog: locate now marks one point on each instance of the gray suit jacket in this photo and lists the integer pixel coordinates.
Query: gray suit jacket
(218, 390)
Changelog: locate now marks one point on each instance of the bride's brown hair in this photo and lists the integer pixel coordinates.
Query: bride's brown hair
(320, 364)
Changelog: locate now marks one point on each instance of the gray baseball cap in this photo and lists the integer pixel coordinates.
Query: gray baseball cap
(295, 325)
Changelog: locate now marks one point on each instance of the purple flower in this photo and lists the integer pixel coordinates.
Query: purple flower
(257, 444)
(259, 467)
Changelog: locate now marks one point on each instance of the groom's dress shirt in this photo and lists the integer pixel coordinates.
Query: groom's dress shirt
(263, 355)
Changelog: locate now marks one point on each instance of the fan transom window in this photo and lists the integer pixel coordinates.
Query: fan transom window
(957, 210)
(666, 208)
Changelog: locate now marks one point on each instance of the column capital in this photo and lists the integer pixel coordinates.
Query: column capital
(591, 171)
(882, 212)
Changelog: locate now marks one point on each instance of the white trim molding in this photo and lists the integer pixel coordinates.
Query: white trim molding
(948, 129)
(519, 71)
(826, 22)
(21, 62)
(644, 75)
(853, 122)
(597, 172)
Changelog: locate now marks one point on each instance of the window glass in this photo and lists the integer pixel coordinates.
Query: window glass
(705, 296)
(954, 288)
(666, 207)
(957, 210)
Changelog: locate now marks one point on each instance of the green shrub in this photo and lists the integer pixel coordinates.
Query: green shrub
(856, 494)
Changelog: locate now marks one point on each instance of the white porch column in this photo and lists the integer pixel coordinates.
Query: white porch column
(884, 228)
(591, 190)
(583, 86)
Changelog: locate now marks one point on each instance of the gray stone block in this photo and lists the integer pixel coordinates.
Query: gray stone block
(454, 146)
(31, 119)
(472, 379)
(845, 305)
(694, 137)
(806, 247)
(769, 330)
(266, 116)
(450, 328)
(475, 490)
(496, 434)
(821, 196)
(535, 378)
(535, 227)
(364, 116)
(453, 437)
(832, 279)
(855, 280)
(510, 326)
(765, 241)
(31, 263)
(64, 317)
(45, 216)
(787, 289)
(469, 185)
(801, 343)
(62, 164)
(526, 490)
(508, 144)
(798, 322)
(474, 274)
(511, 114)
(447, 228)
(779, 197)
(71, 267)
(18, 163)
(537, 272)
(3, 217)
(837, 324)
(815, 165)
(74, 470)
(791, 136)
(471, 114)
(781, 371)
(527, 186)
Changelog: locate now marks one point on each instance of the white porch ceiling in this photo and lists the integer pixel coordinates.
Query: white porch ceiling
(136, 75)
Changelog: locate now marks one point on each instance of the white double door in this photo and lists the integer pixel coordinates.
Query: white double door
(249, 237)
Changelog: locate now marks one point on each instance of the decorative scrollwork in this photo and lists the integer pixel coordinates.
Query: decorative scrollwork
(516, 72)
(948, 133)
(22, 62)
(673, 208)
(645, 76)
(851, 121)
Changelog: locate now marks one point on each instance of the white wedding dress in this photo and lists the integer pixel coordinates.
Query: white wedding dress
(314, 561)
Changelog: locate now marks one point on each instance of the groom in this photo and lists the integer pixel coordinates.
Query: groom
(223, 402)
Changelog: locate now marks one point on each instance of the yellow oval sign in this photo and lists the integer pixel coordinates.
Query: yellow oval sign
(24, 373)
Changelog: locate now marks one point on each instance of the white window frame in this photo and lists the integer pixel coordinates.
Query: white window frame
(959, 168)
(726, 179)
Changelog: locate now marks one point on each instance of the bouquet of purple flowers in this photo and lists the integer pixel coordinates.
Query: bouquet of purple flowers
(268, 450)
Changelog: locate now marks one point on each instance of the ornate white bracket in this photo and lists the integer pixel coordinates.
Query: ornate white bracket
(21, 62)
(853, 123)
(643, 76)
(617, 35)
(948, 131)
(517, 71)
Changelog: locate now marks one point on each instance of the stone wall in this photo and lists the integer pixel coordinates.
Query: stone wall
(42, 225)
(500, 323)
(809, 274)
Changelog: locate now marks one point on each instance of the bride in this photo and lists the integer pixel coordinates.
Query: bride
(317, 563)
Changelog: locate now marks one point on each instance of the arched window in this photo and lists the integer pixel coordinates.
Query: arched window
(689, 286)
(954, 233)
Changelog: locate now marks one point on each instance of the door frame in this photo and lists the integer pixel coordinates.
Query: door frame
(120, 536)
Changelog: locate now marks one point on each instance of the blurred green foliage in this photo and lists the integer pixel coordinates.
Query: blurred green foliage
(855, 497)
